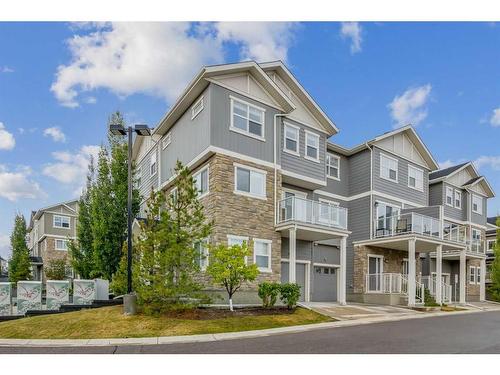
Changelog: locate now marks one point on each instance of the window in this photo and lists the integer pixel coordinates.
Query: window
(388, 168)
(173, 195)
(61, 222)
(476, 234)
(152, 165)
(449, 196)
(312, 146)
(477, 204)
(491, 245)
(478, 275)
(201, 182)
(472, 275)
(329, 211)
(458, 199)
(247, 119)
(201, 249)
(405, 266)
(197, 108)
(166, 140)
(262, 254)
(61, 245)
(291, 139)
(236, 240)
(249, 181)
(415, 178)
(332, 166)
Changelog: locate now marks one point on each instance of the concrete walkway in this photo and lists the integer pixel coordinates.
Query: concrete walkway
(367, 319)
(357, 311)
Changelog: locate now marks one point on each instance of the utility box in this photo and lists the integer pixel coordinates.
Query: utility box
(83, 292)
(29, 296)
(101, 289)
(5, 299)
(57, 293)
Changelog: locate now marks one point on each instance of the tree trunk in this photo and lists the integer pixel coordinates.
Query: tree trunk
(231, 304)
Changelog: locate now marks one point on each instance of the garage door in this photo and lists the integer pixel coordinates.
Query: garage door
(300, 276)
(324, 284)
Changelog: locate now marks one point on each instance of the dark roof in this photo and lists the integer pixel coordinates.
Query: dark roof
(472, 180)
(492, 220)
(445, 172)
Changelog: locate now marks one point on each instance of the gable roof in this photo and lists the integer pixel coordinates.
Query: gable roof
(492, 220)
(445, 172)
(36, 214)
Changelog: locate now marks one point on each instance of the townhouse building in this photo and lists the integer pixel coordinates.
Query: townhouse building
(491, 239)
(346, 224)
(49, 231)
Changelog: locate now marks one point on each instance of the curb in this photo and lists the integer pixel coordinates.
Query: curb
(221, 336)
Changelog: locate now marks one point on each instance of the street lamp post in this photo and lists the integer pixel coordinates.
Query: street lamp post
(140, 130)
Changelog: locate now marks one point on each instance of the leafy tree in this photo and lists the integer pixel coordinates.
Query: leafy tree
(495, 267)
(19, 264)
(227, 267)
(56, 269)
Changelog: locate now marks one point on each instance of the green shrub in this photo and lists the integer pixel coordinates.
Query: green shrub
(56, 269)
(268, 293)
(429, 299)
(290, 294)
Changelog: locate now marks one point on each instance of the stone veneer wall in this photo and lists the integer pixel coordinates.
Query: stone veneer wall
(472, 290)
(49, 253)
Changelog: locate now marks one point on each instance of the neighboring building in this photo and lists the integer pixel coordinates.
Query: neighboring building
(258, 146)
(49, 232)
(491, 239)
(4, 267)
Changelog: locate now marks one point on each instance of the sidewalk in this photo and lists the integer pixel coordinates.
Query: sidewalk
(233, 335)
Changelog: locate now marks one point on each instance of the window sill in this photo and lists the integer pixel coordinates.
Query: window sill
(265, 270)
(248, 134)
(416, 189)
(291, 152)
(333, 178)
(248, 195)
(389, 179)
(311, 159)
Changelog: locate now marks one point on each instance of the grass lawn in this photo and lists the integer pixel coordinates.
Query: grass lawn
(109, 322)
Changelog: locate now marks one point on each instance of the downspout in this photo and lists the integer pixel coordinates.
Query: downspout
(275, 152)
(371, 188)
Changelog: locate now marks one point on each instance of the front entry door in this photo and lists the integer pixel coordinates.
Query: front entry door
(375, 270)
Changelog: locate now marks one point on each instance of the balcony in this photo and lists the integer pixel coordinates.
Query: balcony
(476, 247)
(306, 211)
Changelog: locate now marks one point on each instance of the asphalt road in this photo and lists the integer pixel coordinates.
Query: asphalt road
(469, 333)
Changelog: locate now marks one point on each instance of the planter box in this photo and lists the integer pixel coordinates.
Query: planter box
(29, 296)
(83, 292)
(5, 299)
(57, 293)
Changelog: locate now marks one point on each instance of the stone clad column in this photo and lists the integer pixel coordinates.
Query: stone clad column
(411, 272)
(482, 286)
(439, 274)
(463, 276)
(292, 256)
(343, 261)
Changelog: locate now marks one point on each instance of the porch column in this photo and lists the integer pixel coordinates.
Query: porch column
(292, 256)
(343, 262)
(482, 286)
(439, 274)
(411, 273)
(463, 275)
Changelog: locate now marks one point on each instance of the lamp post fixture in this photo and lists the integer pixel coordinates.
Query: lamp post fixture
(120, 130)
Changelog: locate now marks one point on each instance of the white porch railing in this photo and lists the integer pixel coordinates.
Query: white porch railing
(430, 282)
(392, 283)
(407, 223)
(311, 212)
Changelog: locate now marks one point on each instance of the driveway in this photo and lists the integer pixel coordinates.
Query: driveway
(357, 311)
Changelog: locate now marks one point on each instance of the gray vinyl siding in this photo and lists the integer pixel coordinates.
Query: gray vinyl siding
(298, 163)
(190, 137)
(359, 225)
(307, 250)
(452, 212)
(303, 249)
(309, 193)
(359, 172)
(144, 171)
(401, 188)
(339, 187)
(46, 222)
(220, 121)
(431, 211)
(436, 196)
(477, 218)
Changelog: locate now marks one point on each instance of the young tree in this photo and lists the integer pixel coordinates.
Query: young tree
(495, 267)
(227, 267)
(56, 269)
(19, 264)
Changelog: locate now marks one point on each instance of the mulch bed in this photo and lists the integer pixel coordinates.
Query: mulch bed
(218, 313)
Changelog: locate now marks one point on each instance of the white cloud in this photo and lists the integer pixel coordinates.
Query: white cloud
(446, 164)
(495, 118)
(17, 184)
(7, 141)
(158, 59)
(71, 168)
(4, 246)
(492, 162)
(56, 133)
(6, 69)
(409, 108)
(352, 31)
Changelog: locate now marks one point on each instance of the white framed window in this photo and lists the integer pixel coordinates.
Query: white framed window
(478, 275)
(312, 146)
(202, 255)
(476, 234)
(333, 166)
(449, 196)
(173, 195)
(458, 199)
(491, 245)
(61, 222)
(472, 275)
(291, 139)
(247, 119)
(415, 178)
(262, 254)
(197, 108)
(166, 140)
(152, 164)
(61, 245)
(201, 179)
(477, 204)
(388, 168)
(249, 181)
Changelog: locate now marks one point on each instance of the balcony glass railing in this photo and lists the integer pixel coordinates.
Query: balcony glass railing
(476, 246)
(412, 222)
(311, 212)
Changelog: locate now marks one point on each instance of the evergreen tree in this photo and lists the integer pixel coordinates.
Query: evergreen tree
(19, 264)
(495, 267)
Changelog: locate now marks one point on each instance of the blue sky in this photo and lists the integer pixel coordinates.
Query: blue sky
(60, 81)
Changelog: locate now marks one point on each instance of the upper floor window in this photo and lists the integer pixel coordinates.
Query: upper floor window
(61, 221)
(472, 275)
(449, 196)
(332, 166)
(415, 178)
(166, 140)
(250, 181)
(152, 164)
(291, 142)
(491, 245)
(262, 254)
(201, 182)
(197, 108)
(247, 119)
(388, 168)
(61, 244)
(312, 146)
(477, 204)
(458, 199)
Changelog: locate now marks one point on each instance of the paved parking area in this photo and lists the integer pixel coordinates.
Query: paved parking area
(354, 311)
